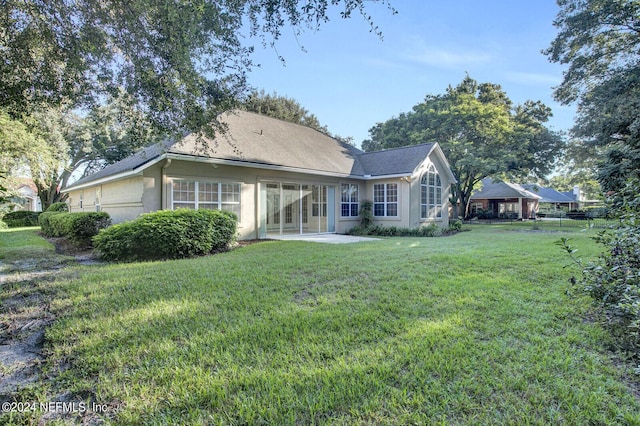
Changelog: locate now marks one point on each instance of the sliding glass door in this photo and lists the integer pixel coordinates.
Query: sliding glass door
(291, 208)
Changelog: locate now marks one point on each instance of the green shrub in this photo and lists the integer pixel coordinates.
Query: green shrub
(613, 280)
(79, 228)
(167, 234)
(58, 207)
(21, 218)
(45, 225)
(455, 225)
(366, 213)
(82, 227)
(431, 230)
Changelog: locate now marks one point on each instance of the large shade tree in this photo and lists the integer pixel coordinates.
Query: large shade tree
(283, 108)
(599, 40)
(181, 62)
(481, 133)
(56, 144)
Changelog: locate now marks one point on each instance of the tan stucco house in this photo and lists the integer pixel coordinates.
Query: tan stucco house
(278, 177)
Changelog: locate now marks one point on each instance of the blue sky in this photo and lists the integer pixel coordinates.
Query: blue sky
(351, 80)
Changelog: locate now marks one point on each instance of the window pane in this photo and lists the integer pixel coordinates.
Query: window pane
(354, 209)
(184, 206)
(230, 193)
(208, 206)
(378, 209)
(392, 209)
(378, 193)
(344, 209)
(345, 193)
(207, 192)
(392, 192)
(184, 191)
(234, 208)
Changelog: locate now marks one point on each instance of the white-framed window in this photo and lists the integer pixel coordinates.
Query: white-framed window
(206, 195)
(349, 203)
(431, 194)
(385, 199)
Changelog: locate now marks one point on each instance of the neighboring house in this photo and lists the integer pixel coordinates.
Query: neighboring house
(28, 198)
(503, 200)
(24, 196)
(555, 200)
(278, 177)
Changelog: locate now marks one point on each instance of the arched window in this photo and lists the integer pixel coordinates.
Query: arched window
(431, 194)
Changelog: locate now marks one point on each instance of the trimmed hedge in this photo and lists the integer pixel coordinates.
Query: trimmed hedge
(167, 234)
(45, 225)
(431, 230)
(21, 218)
(78, 228)
(58, 207)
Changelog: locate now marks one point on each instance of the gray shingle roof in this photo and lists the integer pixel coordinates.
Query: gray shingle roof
(258, 139)
(395, 161)
(549, 195)
(492, 190)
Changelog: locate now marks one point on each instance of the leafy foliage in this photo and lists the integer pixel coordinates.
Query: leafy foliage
(600, 40)
(55, 143)
(21, 218)
(283, 108)
(182, 65)
(167, 234)
(613, 281)
(79, 228)
(58, 207)
(431, 230)
(480, 132)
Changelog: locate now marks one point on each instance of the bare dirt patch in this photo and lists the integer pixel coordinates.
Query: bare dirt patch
(25, 312)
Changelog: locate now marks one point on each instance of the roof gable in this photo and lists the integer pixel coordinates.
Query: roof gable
(395, 161)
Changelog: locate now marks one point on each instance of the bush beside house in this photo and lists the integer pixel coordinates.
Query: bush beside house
(21, 218)
(79, 228)
(167, 234)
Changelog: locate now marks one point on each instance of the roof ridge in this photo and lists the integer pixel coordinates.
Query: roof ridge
(399, 147)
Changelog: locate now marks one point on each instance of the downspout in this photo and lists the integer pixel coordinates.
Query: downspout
(164, 199)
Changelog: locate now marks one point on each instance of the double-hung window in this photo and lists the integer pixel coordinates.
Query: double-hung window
(385, 199)
(349, 201)
(206, 195)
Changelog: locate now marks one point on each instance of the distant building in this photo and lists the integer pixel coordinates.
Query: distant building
(25, 196)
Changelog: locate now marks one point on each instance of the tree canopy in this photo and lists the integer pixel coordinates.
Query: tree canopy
(56, 144)
(480, 131)
(182, 63)
(599, 40)
(283, 108)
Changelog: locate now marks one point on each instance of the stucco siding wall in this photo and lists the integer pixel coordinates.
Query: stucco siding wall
(404, 196)
(121, 199)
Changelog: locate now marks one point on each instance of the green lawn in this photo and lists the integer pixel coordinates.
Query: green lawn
(476, 328)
